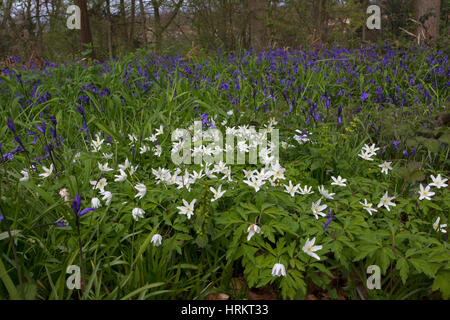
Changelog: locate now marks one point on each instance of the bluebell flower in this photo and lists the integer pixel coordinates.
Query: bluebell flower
(76, 205)
(396, 143)
(10, 124)
(80, 109)
(42, 127)
(19, 141)
(8, 156)
(61, 223)
(224, 86)
(49, 147)
(364, 96)
(53, 120)
(330, 217)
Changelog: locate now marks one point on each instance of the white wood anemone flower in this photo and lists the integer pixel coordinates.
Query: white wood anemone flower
(47, 171)
(439, 227)
(309, 248)
(100, 184)
(252, 230)
(125, 166)
(438, 182)
(120, 177)
(137, 213)
(325, 193)
(291, 189)
(278, 270)
(217, 193)
(104, 167)
(156, 240)
(385, 167)
(368, 206)
(95, 202)
(188, 208)
(386, 201)
(255, 183)
(371, 149)
(317, 209)
(425, 193)
(107, 197)
(366, 155)
(306, 190)
(339, 181)
(26, 176)
(142, 190)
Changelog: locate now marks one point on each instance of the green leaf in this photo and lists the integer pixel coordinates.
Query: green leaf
(185, 266)
(41, 192)
(5, 235)
(251, 275)
(382, 258)
(445, 138)
(202, 241)
(183, 236)
(144, 246)
(250, 208)
(442, 283)
(322, 268)
(403, 267)
(102, 126)
(316, 164)
(423, 266)
(268, 232)
(364, 251)
(144, 288)
(12, 290)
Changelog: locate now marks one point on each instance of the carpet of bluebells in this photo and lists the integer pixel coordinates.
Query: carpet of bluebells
(88, 179)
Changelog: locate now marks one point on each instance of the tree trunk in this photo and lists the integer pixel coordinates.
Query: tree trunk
(223, 34)
(123, 21)
(428, 12)
(29, 27)
(108, 12)
(157, 27)
(39, 28)
(85, 31)
(142, 13)
(257, 23)
(133, 13)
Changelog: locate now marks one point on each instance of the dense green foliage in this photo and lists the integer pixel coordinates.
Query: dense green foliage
(344, 100)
